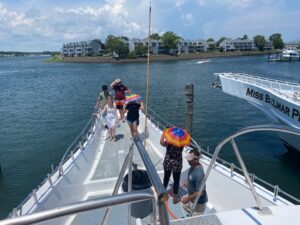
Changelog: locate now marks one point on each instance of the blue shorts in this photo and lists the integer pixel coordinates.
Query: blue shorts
(132, 122)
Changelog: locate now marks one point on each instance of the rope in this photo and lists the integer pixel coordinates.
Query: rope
(148, 74)
(170, 211)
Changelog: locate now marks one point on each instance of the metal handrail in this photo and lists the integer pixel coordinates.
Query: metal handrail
(155, 180)
(92, 121)
(261, 78)
(118, 183)
(80, 207)
(277, 128)
(88, 125)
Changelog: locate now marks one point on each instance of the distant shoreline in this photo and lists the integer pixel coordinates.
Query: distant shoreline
(204, 55)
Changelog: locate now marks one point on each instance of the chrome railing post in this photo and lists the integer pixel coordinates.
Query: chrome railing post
(231, 169)
(246, 174)
(49, 180)
(118, 184)
(276, 190)
(154, 214)
(34, 196)
(129, 183)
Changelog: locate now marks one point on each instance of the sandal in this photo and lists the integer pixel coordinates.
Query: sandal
(176, 199)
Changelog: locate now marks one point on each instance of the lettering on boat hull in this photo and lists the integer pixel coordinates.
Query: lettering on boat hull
(290, 112)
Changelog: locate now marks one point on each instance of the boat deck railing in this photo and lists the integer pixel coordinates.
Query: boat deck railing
(158, 196)
(249, 180)
(162, 123)
(277, 86)
(84, 139)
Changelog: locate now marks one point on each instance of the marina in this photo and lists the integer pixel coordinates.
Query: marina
(287, 55)
(93, 179)
(59, 109)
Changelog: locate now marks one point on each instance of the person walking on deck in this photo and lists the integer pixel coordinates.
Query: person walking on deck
(133, 113)
(102, 98)
(111, 118)
(120, 90)
(195, 177)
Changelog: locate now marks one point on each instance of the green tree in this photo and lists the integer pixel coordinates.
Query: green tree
(260, 42)
(140, 49)
(210, 39)
(220, 40)
(170, 39)
(276, 41)
(132, 55)
(117, 45)
(212, 47)
(155, 36)
(245, 37)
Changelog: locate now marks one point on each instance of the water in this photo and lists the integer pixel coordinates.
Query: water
(44, 106)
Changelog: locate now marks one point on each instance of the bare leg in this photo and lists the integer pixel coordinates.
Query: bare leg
(135, 130)
(131, 130)
(121, 114)
(110, 134)
(113, 133)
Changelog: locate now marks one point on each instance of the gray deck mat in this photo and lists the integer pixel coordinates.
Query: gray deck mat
(114, 153)
(198, 220)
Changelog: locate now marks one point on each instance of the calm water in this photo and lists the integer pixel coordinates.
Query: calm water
(44, 106)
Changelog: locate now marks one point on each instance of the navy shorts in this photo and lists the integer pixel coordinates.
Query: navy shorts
(133, 121)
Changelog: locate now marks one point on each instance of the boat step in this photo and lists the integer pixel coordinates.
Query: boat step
(198, 220)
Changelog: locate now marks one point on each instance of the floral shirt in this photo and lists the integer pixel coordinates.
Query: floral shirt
(173, 159)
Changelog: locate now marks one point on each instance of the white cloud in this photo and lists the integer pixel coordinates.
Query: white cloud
(179, 3)
(188, 19)
(65, 24)
(237, 5)
(41, 22)
(259, 21)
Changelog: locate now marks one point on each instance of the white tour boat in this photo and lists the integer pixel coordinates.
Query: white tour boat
(290, 54)
(85, 186)
(279, 100)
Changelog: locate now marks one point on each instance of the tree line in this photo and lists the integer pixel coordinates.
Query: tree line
(170, 40)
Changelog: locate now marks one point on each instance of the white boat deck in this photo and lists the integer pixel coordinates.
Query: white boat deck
(111, 157)
(95, 169)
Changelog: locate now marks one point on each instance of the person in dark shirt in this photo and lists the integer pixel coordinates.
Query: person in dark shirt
(172, 165)
(133, 114)
(120, 90)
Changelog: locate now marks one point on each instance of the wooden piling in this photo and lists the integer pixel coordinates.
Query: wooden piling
(189, 97)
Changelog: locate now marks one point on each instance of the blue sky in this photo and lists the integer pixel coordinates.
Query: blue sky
(37, 25)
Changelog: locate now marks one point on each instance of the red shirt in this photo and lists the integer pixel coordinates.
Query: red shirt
(120, 91)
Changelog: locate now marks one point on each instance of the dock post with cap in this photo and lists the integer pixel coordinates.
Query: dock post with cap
(189, 96)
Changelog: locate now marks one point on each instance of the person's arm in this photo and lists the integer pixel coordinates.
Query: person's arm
(142, 106)
(190, 197)
(116, 111)
(162, 141)
(127, 89)
(113, 84)
(104, 110)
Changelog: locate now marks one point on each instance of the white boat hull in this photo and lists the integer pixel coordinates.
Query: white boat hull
(276, 108)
